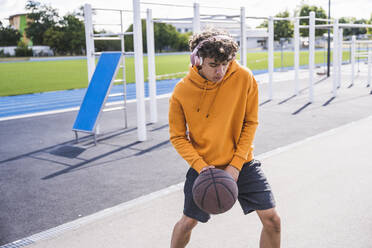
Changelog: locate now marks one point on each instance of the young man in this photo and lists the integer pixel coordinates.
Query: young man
(213, 116)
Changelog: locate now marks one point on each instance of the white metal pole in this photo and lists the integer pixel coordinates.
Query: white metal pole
(353, 39)
(91, 63)
(123, 70)
(271, 56)
(369, 69)
(311, 55)
(243, 38)
(138, 61)
(151, 66)
(340, 50)
(335, 57)
(296, 53)
(196, 19)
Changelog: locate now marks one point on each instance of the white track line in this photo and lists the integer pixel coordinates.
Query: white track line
(53, 232)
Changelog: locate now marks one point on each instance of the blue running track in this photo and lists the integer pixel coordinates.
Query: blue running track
(40, 102)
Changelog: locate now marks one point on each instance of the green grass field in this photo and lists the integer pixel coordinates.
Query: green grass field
(33, 77)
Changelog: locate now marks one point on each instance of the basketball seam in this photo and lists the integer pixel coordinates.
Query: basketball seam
(205, 192)
(215, 188)
(232, 194)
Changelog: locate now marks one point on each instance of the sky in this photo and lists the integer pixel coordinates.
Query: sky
(339, 8)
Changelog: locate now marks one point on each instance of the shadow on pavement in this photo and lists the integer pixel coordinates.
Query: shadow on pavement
(302, 108)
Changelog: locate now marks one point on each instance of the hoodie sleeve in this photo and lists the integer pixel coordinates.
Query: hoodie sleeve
(179, 138)
(245, 144)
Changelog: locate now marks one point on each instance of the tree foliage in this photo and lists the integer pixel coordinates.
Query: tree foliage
(282, 29)
(43, 17)
(165, 35)
(68, 37)
(9, 36)
(319, 13)
(108, 45)
(354, 31)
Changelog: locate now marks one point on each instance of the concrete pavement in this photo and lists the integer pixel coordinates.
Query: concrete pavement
(322, 188)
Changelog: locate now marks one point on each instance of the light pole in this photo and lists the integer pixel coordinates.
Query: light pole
(329, 40)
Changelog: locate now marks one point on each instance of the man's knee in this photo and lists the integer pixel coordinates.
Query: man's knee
(187, 223)
(271, 221)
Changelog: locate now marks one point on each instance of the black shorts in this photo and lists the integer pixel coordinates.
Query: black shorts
(254, 192)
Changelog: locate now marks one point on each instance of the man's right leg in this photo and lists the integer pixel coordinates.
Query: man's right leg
(182, 232)
(192, 214)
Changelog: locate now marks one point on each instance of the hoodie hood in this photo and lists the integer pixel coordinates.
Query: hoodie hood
(204, 84)
(194, 77)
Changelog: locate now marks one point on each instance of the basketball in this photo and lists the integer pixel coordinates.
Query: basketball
(215, 191)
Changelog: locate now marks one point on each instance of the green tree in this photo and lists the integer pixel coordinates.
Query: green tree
(182, 43)
(128, 39)
(353, 31)
(359, 31)
(74, 32)
(68, 37)
(43, 17)
(165, 35)
(282, 29)
(109, 45)
(9, 36)
(53, 37)
(319, 13)
(347, 31)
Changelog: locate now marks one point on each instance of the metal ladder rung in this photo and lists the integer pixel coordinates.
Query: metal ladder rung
(114, 103)
(116, 94)
(107, 24)
(125, 53)
(112, 34)
(106, 38)
(118, 80)
(113, 109)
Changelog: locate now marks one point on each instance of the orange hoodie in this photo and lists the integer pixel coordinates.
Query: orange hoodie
(214, 123)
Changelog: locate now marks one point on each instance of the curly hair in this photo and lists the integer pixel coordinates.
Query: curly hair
(219, 48)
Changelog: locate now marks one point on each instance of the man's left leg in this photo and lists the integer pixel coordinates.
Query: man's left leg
(270, 235)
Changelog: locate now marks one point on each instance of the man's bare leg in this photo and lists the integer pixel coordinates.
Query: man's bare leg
(270, 235)
(182, 232)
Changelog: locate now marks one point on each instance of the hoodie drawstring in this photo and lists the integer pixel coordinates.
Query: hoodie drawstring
(214, 98)
(202, 96)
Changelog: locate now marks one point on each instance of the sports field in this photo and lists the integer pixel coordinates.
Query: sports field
(33, 77)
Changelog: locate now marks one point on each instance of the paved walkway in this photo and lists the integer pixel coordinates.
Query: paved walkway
(322, 187)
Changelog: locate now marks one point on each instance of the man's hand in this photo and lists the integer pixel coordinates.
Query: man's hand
(234, 172)
(206, 168)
